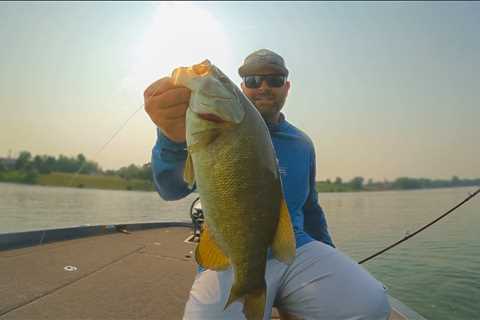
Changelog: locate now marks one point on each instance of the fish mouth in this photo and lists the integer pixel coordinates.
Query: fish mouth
(210, 117)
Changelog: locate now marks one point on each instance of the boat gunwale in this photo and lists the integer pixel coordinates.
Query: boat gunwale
(25, 239)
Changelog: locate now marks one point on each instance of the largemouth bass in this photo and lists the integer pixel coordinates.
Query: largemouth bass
(233, 163)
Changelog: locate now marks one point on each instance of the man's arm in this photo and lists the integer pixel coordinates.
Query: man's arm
(315, 223)
(168, 161)
(166, 105)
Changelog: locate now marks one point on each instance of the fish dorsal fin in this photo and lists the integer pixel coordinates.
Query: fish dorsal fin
(283, 246)
(188, 173)
(208, 254)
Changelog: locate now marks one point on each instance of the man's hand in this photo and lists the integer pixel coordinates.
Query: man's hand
(166, 104)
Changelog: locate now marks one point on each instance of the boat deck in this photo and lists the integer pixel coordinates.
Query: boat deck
(143, 274)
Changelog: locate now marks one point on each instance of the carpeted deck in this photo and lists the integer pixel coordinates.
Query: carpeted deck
(146, 274)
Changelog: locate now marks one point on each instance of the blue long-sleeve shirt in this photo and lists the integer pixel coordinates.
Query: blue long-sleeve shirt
(296, 156)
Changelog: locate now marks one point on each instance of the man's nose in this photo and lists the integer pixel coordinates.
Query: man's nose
(264, 86)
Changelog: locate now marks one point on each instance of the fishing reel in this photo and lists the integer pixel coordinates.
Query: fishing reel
(196, 214)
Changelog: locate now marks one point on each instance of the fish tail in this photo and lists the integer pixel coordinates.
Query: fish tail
(254, 301)
(254, 305)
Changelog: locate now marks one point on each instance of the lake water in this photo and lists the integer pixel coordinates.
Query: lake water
(436, 273)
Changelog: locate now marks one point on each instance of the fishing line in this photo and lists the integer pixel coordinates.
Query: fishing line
(98, 152)
(111, 138)
(106, 143)
(103, 147)
(421, 229)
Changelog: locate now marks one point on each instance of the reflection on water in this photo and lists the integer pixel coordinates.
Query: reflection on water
(33, 207)
(437, 272)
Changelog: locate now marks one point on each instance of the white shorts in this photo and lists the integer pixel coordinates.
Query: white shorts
(321, 283)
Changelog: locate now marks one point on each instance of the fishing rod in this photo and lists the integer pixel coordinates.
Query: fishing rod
(421, 229)
(360, 262)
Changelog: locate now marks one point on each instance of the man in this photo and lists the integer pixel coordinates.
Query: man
(321, 283)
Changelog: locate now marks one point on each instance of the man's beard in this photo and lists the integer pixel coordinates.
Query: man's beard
(268, 110)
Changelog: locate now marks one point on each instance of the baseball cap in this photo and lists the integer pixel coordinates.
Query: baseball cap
(263, 60)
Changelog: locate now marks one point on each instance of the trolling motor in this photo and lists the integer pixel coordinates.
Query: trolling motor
(196, 214)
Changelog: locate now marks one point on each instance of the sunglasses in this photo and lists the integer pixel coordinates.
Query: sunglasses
(273, 81)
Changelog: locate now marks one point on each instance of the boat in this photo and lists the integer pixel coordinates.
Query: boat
(129, 271)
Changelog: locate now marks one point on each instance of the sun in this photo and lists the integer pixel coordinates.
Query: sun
(180, 34)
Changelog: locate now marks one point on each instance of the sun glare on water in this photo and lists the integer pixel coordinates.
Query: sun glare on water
(180, 34)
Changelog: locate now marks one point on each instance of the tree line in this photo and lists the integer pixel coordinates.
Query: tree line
(45, 164)
(401, 183)
(31, 166)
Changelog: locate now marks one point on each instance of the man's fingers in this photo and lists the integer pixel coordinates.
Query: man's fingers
(155, 107)
(173, 112)
(166, 104)
(170, 98)
(174, 130)
(158, 87)
(162, 116)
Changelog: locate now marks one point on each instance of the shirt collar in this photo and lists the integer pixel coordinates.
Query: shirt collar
(278, 126)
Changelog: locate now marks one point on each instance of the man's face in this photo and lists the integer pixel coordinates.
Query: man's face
(268, 100)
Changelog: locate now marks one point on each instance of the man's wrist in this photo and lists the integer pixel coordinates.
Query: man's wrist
(169, 143)
(169, 149)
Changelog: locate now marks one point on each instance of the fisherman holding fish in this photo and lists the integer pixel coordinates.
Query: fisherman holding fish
(266, 241)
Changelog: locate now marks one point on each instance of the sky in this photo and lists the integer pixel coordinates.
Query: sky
(383, 89)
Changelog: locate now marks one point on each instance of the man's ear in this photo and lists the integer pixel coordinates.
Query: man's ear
(287, 86)
(242, 86)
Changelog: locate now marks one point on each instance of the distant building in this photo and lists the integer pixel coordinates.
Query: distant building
(8, 163)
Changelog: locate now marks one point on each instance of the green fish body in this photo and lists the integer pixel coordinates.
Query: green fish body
(233, 163)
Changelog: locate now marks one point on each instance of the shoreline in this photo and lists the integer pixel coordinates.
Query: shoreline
(81, 181)
(120, 184)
